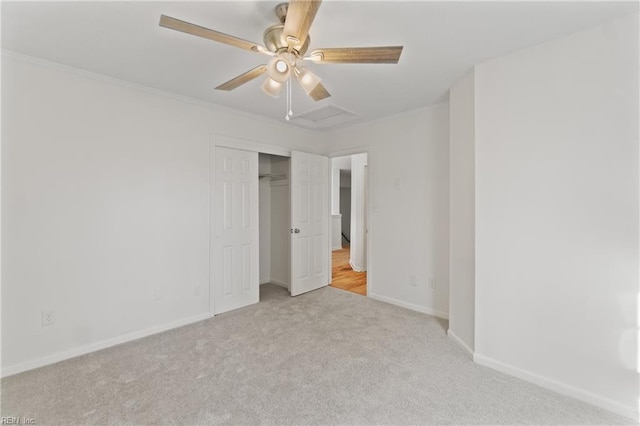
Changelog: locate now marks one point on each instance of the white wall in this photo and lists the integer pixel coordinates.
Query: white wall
(462, 211)
(408, 224)
(345, 210)
(358, 227)
(264, 206)
(105, 201)
(336, 232)
(336, 217)
(557, 214)
(335, 190)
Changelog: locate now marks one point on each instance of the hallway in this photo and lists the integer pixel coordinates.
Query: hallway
(344, 277)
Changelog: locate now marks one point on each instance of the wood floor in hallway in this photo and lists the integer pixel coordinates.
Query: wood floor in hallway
(344, 277)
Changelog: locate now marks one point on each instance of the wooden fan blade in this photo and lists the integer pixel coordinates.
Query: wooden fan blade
(319, 93)
(243, 78)
(357, 55)
(186, 27)
(300, 15)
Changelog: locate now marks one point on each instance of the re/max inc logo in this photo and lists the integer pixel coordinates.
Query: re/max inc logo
(8, 420)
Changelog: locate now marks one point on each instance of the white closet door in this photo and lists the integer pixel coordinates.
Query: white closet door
(236, 262)
(309, 222)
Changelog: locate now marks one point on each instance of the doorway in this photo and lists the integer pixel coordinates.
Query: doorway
(349, 222)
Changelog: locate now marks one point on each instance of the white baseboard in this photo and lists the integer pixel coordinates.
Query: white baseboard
(422, 309)
(280, 283)
(460, 343)
(72, 353)
(334, 248)
(356, 269)
(266, 281)
(559, 387)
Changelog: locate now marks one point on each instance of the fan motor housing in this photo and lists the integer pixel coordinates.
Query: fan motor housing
(274, 38)
(275, 41)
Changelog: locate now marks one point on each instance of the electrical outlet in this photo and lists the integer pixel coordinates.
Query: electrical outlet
(197, 290)
(48, 318)
(157, 295)
(412, 280)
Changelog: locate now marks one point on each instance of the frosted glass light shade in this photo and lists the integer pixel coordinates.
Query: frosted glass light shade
(272, 87)
(279, 70)
(307, 79)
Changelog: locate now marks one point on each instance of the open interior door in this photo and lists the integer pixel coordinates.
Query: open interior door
(236, 229)
(309, 222)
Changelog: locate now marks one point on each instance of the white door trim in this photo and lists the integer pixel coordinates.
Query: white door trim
(370, 267)
(349, 151)
(248, 145)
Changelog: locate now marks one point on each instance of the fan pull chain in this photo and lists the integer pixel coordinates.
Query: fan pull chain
(290, 113)
(286, 117)
(289, 107)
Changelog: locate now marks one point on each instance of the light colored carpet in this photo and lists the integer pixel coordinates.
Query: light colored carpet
(326, 357)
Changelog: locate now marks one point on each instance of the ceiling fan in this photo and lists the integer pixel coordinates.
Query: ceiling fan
(287, 44)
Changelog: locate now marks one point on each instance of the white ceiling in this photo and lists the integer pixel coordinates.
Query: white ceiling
(442, 41)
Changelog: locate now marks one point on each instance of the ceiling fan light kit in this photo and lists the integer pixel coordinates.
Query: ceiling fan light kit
(279, 69)
(272, 87)
(307, 79)
(287, 43)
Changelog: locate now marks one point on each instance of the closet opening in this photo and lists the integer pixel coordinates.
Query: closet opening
(274, 210)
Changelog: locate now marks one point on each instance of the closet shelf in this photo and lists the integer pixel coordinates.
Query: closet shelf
(272, 177)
